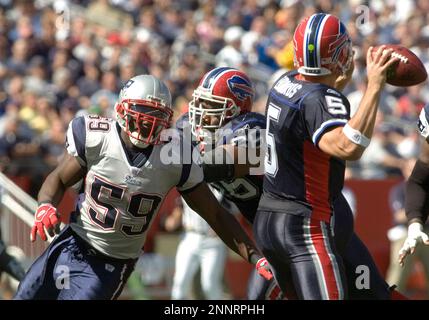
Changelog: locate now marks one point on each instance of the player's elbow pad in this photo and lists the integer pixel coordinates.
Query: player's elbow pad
(417, 192)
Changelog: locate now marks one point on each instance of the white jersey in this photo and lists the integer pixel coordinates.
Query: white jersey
(120, 196)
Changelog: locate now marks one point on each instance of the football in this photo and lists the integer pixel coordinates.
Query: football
(408, 71)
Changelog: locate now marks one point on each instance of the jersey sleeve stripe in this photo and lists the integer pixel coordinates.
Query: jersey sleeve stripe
(186, 170)
(79, 136)
(325, 125)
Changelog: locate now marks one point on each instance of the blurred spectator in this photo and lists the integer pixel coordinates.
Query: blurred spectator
(101, 12)
(89, 83)
(230, 55)
(410, 103)
(250, 39)
(106, 97)
(13, 93)
(105, 42)
(268, 48)
(20, 154)
(62, 80)
(18, 62)
(52, 144)
(381, 159)
(36, 76)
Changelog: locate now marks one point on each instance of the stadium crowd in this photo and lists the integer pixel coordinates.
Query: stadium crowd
(63, 58)
(59, 59)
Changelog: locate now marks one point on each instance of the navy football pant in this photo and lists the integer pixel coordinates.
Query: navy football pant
(357, 255)
(301, 249)
(354, 254)
(70, 270)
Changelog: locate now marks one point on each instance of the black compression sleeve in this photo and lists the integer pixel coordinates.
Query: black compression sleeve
(218, 172)
(218, 165)
(417, 193)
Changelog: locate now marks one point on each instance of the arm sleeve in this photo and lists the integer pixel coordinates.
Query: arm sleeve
(214, 171)
(324, 109)
(76, 139)
(417, 193)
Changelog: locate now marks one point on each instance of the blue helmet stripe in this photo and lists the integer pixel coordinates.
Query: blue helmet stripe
(213, 74)
(312, 39)
(307, 39)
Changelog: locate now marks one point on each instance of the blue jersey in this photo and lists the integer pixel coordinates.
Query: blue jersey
(298, 114)
(244, 192)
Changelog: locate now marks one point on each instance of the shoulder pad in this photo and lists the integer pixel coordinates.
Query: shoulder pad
(96, 128)
(76, 139)
(237, 130)
(86, 136)
(247, 120)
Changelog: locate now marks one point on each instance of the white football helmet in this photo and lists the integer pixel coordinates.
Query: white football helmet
(144, 109)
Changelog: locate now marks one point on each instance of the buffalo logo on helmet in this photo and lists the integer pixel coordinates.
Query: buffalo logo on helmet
(337, 45)
(240, 87)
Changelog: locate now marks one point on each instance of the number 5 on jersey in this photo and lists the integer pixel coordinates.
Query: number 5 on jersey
(335, 105)
(271, 162)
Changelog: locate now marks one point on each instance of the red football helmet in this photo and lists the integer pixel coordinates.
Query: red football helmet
(322, 46)
(223, 93)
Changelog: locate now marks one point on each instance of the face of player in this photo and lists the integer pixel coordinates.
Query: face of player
(211, 119)
(146, 127)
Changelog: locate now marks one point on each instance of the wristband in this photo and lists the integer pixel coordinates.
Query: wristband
(356, 136)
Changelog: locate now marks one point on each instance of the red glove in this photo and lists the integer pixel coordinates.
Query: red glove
(263, 268)
(46, 218)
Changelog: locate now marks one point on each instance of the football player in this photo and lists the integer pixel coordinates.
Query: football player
(417, 193)
(223, 102)
(125, 179)
(310, 135)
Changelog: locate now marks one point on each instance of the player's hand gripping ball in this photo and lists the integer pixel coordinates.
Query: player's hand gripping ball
(408, 71)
